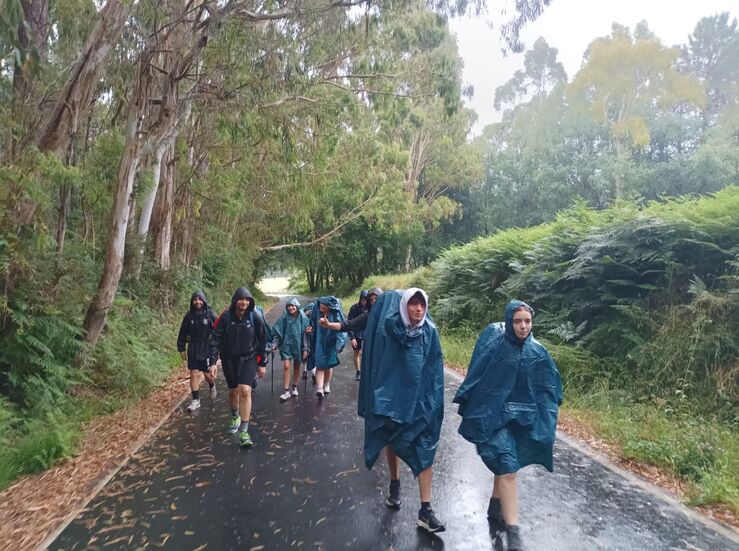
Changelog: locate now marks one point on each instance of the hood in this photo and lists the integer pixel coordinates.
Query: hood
(403, 308)
(295, 302)
(330, 301)
(198, 294)
(374, 291)
(242, 292)
(510, 308)
(363, 294)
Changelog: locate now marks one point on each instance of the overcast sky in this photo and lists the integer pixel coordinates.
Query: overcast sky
(569, 26)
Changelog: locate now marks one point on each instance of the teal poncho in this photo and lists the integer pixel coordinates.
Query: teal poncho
(509, 399)
(289, 332)
(401, 390)
(325, 343)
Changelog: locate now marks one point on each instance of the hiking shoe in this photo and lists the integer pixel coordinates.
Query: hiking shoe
(326, 389)
(245, 439)
(393, 499)
(195, 404)
(213, 392)
(294, 391)
(233, 424)
(285, 396)
(514, 538)
(319, 393)
(495, 513)
(357, 375)
(428, 521)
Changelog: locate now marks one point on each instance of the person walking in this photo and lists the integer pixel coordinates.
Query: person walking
(509, 404)
(240, 338)
(195, 330)
(355, 337)
(289, 332)
(326, 345)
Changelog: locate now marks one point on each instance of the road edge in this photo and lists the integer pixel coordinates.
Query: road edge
(582, 447)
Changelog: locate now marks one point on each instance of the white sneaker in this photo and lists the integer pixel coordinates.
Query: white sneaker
(326, 389)
(195, 404)
(285, 396)
(213, 393)
(294, 391)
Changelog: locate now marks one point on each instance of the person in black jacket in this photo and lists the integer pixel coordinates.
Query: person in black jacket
(240, 337)
(355, 337)
(357, 324)
(195, 330)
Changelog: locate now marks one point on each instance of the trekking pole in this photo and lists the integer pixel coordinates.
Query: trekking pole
(273, 372)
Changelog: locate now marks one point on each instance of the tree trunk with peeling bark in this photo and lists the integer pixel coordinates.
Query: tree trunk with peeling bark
(74, 101)
(163, 212)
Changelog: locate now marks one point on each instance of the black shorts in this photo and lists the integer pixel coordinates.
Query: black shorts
(197, 365)
(239, 371)
(359, 343)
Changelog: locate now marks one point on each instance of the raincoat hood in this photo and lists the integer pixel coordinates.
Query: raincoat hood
(198, 294)
(363, 294)
(510, 309)
(332, 302)
(295, 302)
(374, 291)
(242, 292)
(407, 295)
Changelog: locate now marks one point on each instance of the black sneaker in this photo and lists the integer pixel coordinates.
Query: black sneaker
(514, 538)
(428, 521)
(393, 499)
(357, 375)
(495, 513)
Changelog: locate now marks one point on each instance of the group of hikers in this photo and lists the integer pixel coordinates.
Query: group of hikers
(508, 400)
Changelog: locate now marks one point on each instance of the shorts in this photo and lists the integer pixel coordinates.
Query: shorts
(197, 365)
(239, 371)
(359, 343)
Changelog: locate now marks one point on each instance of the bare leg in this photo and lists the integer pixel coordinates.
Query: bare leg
(233, 399)
(319, 378)
(244, 393)
(329, 374)
(507, 487)
(195, 379)
(424, 484)
(357, 359)
(286, 373)
(296, 372)
(392, 463)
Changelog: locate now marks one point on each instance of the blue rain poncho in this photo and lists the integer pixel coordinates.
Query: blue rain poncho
(401, 390)
(288, 332)
(325, 343)
(510, 397)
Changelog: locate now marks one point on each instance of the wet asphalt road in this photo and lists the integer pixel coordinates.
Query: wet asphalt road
(304, 486)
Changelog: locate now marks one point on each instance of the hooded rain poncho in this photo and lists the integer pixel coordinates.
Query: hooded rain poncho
(401, 390)
(325, 343)
(510, 397)
(288, 331)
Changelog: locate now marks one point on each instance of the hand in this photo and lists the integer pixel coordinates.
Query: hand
(305, 355)
(274, 346)
(183, 355)
(323, 322)
(354, 344)
(261, 370)
(309, 329)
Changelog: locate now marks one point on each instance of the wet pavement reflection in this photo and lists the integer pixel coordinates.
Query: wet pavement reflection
(303, 485)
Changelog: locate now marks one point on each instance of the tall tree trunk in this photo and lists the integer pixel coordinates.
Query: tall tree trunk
(164, 211)
(65, 196)
(74, 101)
(97, 312)
(408, 255)
(148, 206)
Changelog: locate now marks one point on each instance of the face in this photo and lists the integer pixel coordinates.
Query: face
(522, 323)
(291, 309)
(197, 303)
(242, 304)
(324, 309)
(363, 301)
(416, 310)
(372, 298)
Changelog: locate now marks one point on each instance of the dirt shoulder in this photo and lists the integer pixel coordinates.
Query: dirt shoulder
(38, 505)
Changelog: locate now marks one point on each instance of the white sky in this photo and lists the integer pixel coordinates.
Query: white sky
(569, 26)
